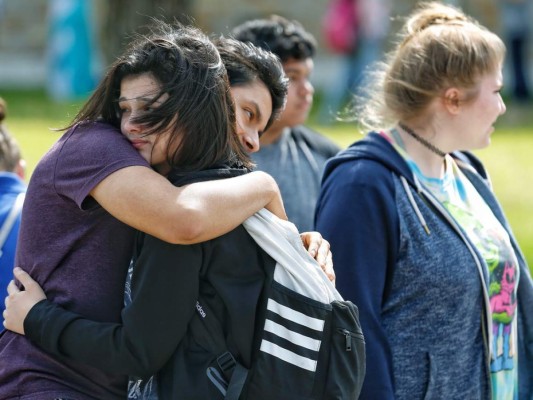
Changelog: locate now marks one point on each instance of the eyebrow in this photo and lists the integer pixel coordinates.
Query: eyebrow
(146, 99)
(257, 110)
(297, 70)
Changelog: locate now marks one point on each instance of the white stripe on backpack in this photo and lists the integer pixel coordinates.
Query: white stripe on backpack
(298, 271)
(295, 316)
(291, 336)
(288, 356)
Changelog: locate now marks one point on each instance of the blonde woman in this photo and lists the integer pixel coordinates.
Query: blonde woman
(420, 241)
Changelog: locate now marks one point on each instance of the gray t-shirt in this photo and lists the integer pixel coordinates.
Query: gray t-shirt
(297, 169)
(79, 253)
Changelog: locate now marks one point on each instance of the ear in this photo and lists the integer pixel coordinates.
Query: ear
(452, 100)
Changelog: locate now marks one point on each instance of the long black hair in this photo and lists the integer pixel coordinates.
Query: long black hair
(199, 108)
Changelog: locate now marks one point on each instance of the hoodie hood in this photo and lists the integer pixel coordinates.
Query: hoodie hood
(373, 147)
(377, 148)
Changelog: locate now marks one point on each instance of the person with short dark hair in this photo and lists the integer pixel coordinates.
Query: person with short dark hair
(291, 152)
(254, 75)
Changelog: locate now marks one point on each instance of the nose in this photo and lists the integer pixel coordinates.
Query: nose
(129, 126)
(306, 88)
(503, 108)
(250, 140)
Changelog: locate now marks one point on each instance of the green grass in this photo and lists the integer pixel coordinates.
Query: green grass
(509, 159)
(31, 119)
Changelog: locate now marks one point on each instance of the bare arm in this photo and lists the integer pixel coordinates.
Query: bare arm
(198, 212)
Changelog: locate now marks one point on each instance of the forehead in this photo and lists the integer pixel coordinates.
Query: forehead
(490, 81)
(293, 66)
(254, 93)
(495, 77)
(142, 85)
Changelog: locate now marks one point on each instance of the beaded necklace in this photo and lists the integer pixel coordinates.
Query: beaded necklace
(421, 140)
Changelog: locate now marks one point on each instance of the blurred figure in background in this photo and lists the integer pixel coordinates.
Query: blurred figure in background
(372, 18)
(12, 190)
(73, 63)
(291, 152)
(515, 20)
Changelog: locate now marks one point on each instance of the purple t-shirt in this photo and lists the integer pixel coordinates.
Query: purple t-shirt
(79, 253)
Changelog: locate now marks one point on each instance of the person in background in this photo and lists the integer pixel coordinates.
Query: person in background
(12, 190)
(291, 152)
(516, 20)
(373, 21)
(419, 240)
(95, 186)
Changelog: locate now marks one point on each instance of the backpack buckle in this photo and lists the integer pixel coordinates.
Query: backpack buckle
(227, 364)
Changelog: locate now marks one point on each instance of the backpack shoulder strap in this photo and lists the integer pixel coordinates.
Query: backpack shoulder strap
(10, 220)
(207, 329)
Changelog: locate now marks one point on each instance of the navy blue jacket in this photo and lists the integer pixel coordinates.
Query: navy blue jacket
(419, 283)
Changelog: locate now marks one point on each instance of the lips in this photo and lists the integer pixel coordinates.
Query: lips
(138, 143)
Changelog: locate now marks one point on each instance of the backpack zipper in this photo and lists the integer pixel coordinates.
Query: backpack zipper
(348, 337)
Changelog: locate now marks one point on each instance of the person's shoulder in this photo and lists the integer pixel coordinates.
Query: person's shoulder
(96, 136)
(95, 128)
(94, 147)
(89, 134)
(315, 140)
(360, 171)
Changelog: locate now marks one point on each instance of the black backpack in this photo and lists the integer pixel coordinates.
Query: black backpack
(308, 344)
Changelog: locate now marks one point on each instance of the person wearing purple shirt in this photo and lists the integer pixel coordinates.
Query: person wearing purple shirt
(94, 188)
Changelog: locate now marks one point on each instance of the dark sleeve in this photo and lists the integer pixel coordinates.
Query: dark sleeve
(356, 213)
(165, 290)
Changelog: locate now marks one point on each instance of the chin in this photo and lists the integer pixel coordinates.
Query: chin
(485, 143)
(300, 121)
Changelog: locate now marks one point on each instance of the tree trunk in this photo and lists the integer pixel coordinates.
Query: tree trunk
(122, 18)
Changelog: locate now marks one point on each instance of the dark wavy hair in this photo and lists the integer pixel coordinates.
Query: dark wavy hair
(287, 39)
(199, 110)
(246, 63)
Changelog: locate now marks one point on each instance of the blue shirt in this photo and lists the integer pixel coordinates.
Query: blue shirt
(10, 187)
